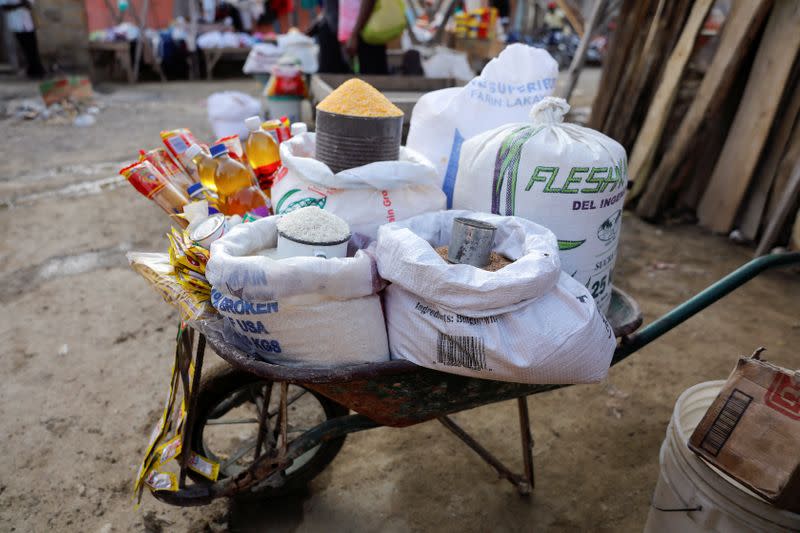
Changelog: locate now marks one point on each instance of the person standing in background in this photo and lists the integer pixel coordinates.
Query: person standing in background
(307, 12)
(19, 21)
(331, 56)
(371, 57)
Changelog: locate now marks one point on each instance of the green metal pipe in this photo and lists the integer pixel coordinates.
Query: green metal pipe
(697, 303)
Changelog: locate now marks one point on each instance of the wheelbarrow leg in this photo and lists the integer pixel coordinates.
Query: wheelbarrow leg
(522, 484)
(527, 440)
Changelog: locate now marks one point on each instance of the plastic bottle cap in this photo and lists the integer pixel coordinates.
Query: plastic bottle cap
(192, 151)
(253, 123)
(218, 150)
(194, 187)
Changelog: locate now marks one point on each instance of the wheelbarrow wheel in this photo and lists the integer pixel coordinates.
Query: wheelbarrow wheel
(228, 410)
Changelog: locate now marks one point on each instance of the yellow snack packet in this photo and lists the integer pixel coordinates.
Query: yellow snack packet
(160, 429)
(169, 450)
(203, 466)
(161, 481)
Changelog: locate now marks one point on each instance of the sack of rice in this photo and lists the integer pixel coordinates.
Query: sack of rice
(566, 177)
(366, 196)
(527, 322)
(299, 311)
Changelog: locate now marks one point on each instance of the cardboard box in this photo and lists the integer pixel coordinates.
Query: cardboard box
(77, 88)
(752, 431)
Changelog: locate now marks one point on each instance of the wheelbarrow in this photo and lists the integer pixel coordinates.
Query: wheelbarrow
(274, 428)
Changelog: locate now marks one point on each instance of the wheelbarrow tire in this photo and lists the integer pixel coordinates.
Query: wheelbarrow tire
(219, 383)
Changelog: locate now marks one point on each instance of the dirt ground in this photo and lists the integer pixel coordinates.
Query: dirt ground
(86, 347)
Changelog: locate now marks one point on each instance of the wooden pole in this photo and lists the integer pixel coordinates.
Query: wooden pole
(580, 55)
(137, 56)
(741, 28)
(737, 163)
(788, 200)
(658, 113)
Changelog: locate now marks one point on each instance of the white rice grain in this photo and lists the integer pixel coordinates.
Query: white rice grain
(314, 225)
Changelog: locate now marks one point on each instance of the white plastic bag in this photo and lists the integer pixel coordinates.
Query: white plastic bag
(210, 39)
(528, 322)
(365, 197)
(504, 92)
(564, 176)
(301, 47)
(261, 59)
(447, 63)
(227, 111)
(301, 311)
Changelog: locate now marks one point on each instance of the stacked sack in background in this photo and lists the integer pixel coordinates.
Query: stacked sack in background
(528, 322)
(566, 177)
(502, 94)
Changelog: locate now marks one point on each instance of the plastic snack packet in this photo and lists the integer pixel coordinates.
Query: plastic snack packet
(169, 450)
(157, 270)
(171, 170)
(177, 142)
(189, 260)
(160, 429)
(203, 466)
(161, 481)
(146, 179)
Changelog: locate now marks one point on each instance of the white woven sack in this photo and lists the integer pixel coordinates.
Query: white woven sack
(503, 93)
(564, 176)
(300, 311)
(528, 322)
(365, 197)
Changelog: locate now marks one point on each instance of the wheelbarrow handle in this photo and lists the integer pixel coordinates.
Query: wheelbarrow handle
(700, 301)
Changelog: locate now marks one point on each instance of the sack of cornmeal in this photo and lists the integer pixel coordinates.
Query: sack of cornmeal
(503, 93)
(528, 322)
(566, 177)
(300, 311)
(365, 197)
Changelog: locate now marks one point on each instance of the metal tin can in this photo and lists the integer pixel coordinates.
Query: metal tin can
(208, 230)
(471, 242)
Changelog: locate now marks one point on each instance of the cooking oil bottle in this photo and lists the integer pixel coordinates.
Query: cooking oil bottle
(206, 165)
(238, 192)
(262, 153)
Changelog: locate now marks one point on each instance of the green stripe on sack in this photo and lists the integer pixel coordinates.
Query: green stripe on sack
(283, 199)
(569, 245)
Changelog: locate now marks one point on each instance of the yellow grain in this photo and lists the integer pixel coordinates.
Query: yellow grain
(358, 98)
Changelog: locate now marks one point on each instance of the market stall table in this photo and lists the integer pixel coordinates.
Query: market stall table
(212, 56)
(121, 52)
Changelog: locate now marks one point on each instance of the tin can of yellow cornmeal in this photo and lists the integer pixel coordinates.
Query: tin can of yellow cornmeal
(345, 141)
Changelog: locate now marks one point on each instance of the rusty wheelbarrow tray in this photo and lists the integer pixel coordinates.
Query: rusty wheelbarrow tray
(400, 393)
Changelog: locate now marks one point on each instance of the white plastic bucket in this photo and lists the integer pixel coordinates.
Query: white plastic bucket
(686, 482)
(284, 106)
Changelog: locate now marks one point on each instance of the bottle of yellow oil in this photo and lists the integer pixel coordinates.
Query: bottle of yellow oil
(206, 165)
(237, 191)
(262, 153)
